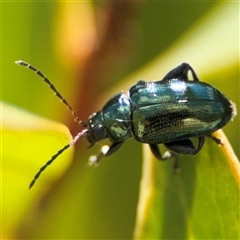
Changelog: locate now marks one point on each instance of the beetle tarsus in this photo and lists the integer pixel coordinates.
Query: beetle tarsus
(216, 140)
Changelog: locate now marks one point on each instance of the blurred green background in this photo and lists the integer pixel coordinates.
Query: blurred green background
(88, 50)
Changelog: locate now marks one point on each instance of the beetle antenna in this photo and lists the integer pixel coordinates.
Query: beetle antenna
(46, 80)
(75, 139)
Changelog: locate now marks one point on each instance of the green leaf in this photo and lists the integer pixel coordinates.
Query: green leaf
(22, 154)
(199, 202)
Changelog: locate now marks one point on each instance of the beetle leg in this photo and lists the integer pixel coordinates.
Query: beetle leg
(215, 139)
(185, 146)
(156, 152)
(105, 151)
(113, 148)
(201, 141)
(180, 72)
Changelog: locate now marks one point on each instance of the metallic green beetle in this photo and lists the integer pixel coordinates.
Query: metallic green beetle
(169, 112)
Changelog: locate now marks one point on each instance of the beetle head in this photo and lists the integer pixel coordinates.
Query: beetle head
(96, 131)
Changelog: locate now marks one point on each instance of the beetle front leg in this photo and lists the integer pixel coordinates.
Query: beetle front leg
(105, 151)
(113, 148)
(180, 72)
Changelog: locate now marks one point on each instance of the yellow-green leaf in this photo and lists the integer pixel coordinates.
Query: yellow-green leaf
(28, 141)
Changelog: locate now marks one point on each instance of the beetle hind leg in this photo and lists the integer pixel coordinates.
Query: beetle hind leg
(185, 146)
(180, 72)
(215, 139)
(182, 147)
